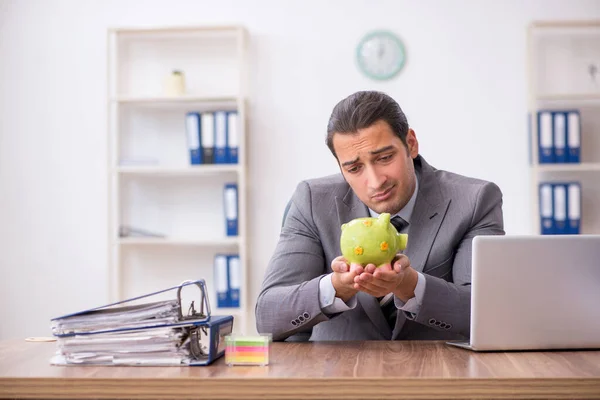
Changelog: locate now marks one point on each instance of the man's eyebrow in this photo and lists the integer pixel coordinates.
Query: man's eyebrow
(347, 163)
(382, 150)
(374, 152)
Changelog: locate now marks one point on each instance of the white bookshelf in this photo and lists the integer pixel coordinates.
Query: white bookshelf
(152, 185)
(560, 54)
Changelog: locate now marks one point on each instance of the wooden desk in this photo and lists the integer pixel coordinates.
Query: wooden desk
(334, 370)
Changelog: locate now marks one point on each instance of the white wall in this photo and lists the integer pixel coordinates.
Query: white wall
(463, 90)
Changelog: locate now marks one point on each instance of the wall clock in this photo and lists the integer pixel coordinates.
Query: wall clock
(380, 55)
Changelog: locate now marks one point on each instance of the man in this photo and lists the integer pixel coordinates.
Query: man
(309, 288)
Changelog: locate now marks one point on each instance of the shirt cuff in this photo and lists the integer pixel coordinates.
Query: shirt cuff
(327, 300)
(413, 305)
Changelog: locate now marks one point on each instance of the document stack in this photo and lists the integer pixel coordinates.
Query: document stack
(138, 332)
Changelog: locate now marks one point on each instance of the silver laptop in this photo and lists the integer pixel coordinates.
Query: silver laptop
(535, 293)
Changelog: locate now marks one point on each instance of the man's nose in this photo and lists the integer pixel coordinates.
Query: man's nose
(376, 180)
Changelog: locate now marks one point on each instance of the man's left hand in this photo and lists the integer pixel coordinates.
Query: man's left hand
(401, 279)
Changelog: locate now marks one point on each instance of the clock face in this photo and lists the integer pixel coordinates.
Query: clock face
(380, 55)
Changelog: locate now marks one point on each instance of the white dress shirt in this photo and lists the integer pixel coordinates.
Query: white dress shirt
(331, 304)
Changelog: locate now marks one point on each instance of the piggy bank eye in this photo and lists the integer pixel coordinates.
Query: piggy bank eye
(358, 250)
(384, 246)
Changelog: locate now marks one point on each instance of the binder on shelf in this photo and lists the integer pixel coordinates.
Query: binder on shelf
(574, 207)
(560, 137)
(221, 280)
(230, 197)
(573, 137)
(207, 137)
(193, 135)
(233, 139)
(546, 209)
(220, 137)
(560, 208)
(144, 331)
(545, 137)
(234, 270)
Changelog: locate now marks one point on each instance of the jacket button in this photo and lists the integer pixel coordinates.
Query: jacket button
(294, 323)
(306, 315)
(432, 321)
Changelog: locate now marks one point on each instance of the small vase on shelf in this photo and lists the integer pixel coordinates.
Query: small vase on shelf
(175, 84)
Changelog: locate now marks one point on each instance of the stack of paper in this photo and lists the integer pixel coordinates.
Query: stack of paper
(160, 346)
(109, 319)
(154, 333)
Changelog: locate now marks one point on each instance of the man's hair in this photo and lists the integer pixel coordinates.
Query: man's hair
(361, 110)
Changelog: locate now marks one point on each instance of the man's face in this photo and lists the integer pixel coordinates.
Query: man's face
(378, 166)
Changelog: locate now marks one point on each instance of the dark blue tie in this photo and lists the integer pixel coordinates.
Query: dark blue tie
(389, 308)
(399, 223)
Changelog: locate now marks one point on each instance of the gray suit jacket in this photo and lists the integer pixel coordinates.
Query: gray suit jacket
(449, 211)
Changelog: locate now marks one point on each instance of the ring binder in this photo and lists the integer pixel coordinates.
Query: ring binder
(144, 333)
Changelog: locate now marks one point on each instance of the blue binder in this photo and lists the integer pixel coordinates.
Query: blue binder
(220, 137)
(546, 208)
(233, 137)
(234, 274)
(114, 334)
(574, 136)
(207, 136)
(221, 280)
(560, 203)
(192, 127)
(559, 127)
(230, 199)
(574, 208)
(545, 137)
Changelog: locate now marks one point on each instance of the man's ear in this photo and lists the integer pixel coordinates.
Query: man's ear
(412, 144)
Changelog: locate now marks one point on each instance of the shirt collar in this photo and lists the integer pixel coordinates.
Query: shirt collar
(406, 212)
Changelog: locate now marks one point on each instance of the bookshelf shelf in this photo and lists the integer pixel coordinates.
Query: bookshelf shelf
(214, 242)
(159, 171)
(583, 167)
(184, 100)
(575, 97)
(153, 186)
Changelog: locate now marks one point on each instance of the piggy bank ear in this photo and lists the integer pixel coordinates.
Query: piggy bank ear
(384, 218)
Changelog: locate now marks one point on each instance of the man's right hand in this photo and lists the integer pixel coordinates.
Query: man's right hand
(343, 277)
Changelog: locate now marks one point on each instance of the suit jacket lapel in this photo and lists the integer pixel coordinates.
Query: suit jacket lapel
(348, 208)
(428, 214)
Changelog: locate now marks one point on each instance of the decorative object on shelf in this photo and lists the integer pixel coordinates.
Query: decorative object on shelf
(175, 84)
(380, 55)
(371, 240)
(129, 231)
(593, 70)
